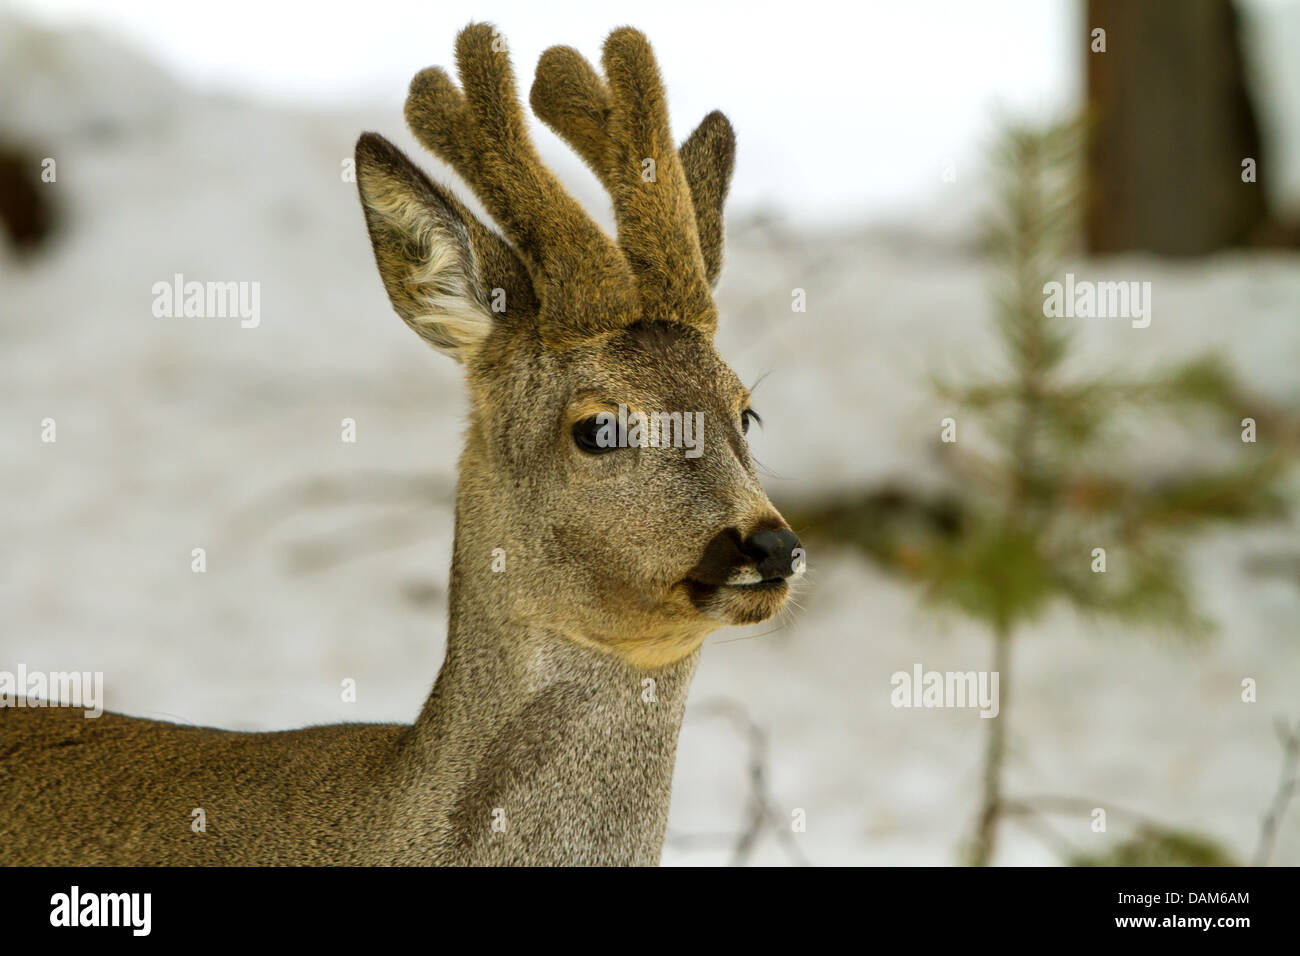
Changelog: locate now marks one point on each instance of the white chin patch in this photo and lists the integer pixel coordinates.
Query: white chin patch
(746, 576)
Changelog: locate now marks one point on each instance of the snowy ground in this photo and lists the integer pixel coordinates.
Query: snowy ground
(328, 560)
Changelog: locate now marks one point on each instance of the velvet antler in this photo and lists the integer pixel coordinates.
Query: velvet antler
(582, 281)
(669, 226)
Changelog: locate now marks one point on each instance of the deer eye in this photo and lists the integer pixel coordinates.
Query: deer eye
(592, 436)
(745, 417)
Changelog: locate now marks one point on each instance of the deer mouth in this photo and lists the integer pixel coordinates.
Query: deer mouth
(739, 602)
(742, 587)
(771, 584)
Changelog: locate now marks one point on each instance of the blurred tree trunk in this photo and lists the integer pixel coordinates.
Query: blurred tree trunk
(1172, 124)
(25, 212)
(995, 751)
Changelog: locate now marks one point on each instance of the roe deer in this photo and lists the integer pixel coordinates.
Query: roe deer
(540, 742)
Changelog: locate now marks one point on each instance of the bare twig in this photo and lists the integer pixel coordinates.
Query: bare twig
(1053, 804)
(1034, 823)
(1286, 788)
(761, 813)
(1031, 811)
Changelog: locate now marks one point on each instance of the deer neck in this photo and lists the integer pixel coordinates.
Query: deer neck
(533, 749)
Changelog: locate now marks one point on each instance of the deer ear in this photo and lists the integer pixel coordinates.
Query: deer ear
(431, 252)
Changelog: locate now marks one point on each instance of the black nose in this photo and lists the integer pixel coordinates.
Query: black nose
(773, 550)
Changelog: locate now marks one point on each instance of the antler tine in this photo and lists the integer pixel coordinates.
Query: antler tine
(583, 282)
(708, 156)
(615, 126)
(570, 97)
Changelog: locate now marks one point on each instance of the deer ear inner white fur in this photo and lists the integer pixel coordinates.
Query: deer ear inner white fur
(426, 258)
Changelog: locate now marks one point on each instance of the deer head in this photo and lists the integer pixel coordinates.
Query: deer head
(634, 549)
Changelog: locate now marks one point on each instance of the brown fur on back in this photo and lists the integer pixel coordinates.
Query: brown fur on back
(290, 798)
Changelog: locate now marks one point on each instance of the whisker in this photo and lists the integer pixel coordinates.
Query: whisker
(750, 637)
